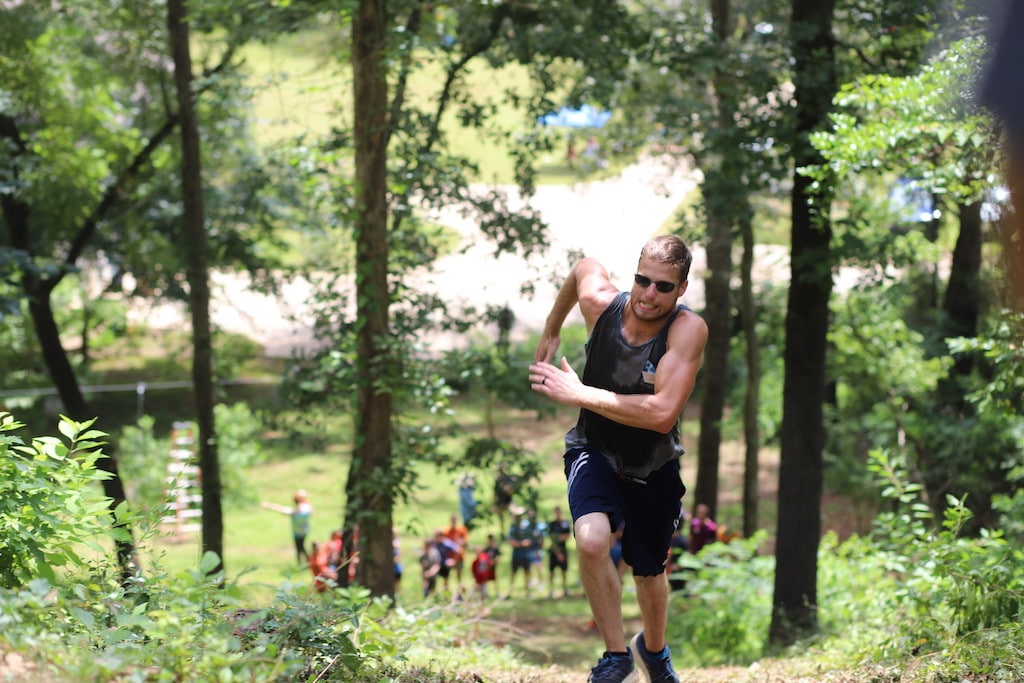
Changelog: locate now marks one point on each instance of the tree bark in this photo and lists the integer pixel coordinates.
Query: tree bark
(962, 300)
(194, 233)
(718, 315)
(717, 189)
(369, 499)
(752, 390)
(803, 433)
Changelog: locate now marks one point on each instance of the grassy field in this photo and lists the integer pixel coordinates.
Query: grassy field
(301, 89)
(542, 631)
(259, 540)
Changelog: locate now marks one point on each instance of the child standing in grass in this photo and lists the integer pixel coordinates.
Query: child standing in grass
(430, 566)
(300, 513)
(483, 571)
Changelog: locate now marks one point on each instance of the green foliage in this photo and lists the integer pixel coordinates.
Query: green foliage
(925, 126)
(239, 433)
(960, 599)
(184, 627)
(855, 593)
(143, 457)
(190, 626)
(889, 392)
(1000, 347)
(49, 503)
(882, 377)
(142, 464)
(728, 606)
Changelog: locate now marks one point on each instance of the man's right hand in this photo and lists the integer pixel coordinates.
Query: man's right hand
(547, 348)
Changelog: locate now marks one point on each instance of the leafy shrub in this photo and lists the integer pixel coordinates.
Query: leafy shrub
(728, 605)
(142, 463)
(50, 507)
(960, 599)
(238, 448)
(143, 457)
(83, 621)
(190, 627)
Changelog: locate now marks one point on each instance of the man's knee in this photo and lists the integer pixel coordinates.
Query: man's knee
(592, 546)
(593, 535)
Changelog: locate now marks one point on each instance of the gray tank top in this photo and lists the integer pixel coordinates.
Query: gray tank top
(616, 365)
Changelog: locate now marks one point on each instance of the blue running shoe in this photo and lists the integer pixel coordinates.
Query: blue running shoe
(657, 667)
(614, 668)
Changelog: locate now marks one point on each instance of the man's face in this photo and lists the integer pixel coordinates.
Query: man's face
(646, 299)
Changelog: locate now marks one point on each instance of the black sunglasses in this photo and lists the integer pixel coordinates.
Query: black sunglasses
(663, 286)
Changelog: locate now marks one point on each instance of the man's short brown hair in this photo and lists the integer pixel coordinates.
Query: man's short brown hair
(669, 249)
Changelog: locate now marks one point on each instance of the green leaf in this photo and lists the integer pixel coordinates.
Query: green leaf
(67, 427)
(209, 562)
(87, 619)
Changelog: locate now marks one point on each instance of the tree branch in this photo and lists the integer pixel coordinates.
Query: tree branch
(412, 28)
(454, 69)
(112, 195)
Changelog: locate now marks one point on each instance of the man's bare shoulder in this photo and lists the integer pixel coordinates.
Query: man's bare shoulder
(594, 289)
(690, 325)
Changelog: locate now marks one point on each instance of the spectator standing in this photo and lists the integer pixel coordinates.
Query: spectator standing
(703, 529)
(447, 549)
(521, 538)
(300, 514)
(396, 554)
(467, 498)
(323, 576)
(558, 552)
(540, 532)
(483, 571)
(493, 548)
(459, 535)
(504, 490)
(430, 567)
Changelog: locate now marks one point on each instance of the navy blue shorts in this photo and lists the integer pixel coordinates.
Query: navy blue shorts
(650, 508)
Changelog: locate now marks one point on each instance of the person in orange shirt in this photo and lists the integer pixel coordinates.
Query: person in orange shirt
(459, 535)
(319, 565)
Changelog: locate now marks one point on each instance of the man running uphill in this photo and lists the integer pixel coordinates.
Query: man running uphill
(622, 456)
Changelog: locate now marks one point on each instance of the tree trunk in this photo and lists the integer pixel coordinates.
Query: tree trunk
(717, 188)
(752, 390)
(718, 315)
(194, 232)
(1011, 229)
(803, 433)
(962, 300)
(369, 490)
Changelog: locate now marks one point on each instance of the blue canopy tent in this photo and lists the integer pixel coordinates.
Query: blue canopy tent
(586, 116)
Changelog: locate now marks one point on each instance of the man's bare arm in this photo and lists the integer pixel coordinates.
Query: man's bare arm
(673, 382)
(589, 286)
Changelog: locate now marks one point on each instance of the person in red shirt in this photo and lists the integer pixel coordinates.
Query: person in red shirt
(319, 565)
(703, 529)
(483, 571)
